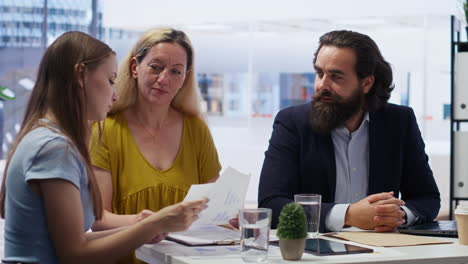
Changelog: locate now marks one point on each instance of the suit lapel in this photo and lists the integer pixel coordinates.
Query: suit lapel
(326, 147)
(374, 146)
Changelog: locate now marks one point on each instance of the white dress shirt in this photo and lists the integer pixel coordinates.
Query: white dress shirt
(352, 173)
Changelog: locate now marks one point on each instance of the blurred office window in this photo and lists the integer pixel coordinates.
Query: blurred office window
(27, 27)
(296, 88)
(264, 94)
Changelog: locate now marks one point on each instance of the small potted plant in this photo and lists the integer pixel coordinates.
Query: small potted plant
(292, 231)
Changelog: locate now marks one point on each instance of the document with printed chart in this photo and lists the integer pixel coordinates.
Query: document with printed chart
(226, 196)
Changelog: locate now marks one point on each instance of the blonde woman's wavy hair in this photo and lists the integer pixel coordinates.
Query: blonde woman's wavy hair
(187, 99)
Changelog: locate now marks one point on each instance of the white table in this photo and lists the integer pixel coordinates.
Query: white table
(172, 253)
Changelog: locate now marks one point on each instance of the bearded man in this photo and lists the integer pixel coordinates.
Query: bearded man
(364, 156)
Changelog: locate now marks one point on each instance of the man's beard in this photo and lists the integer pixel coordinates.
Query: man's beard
(328, 116)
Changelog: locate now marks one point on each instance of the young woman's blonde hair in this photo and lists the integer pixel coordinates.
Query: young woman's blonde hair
(187, 99)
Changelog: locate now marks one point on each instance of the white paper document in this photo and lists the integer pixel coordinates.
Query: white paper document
(226, 196)
(170, 248)
(206, 235)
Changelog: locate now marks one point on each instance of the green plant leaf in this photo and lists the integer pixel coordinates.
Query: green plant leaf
(6, 94)
(292, 222)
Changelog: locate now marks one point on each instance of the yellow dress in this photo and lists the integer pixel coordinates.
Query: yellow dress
(137, 184)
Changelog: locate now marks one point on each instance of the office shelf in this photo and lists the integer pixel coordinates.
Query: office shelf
(458, 116)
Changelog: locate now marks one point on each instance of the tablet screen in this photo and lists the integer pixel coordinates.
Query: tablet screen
(327, 247)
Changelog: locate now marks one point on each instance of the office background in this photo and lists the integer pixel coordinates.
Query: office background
(253, 58)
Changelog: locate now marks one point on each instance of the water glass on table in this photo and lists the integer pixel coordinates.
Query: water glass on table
(255, 229)
(311, 204)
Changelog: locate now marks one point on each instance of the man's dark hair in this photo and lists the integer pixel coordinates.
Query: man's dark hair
(369, 61)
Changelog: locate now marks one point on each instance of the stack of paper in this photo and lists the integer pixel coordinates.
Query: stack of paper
(205, 236)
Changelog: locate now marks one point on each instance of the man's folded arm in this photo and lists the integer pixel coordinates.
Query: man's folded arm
(279, 179)
(419, 189)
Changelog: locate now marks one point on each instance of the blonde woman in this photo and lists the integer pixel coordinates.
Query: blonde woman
(155, 144)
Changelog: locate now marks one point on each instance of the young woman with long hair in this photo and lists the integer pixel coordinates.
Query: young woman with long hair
(49, 196)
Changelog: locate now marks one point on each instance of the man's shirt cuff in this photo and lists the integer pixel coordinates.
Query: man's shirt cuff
(410, 217)
(335, 219)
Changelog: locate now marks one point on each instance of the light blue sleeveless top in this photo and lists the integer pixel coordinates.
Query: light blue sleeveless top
(41, 154)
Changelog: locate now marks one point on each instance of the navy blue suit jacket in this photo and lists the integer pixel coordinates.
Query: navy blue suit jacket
(299, 160)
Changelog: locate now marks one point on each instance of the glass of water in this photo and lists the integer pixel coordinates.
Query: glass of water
(311, 204)
(255, 230)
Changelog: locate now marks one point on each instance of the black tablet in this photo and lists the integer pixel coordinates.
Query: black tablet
(323, 247)
(435, 228)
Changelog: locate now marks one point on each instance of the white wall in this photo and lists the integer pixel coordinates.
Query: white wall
(146, 13)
